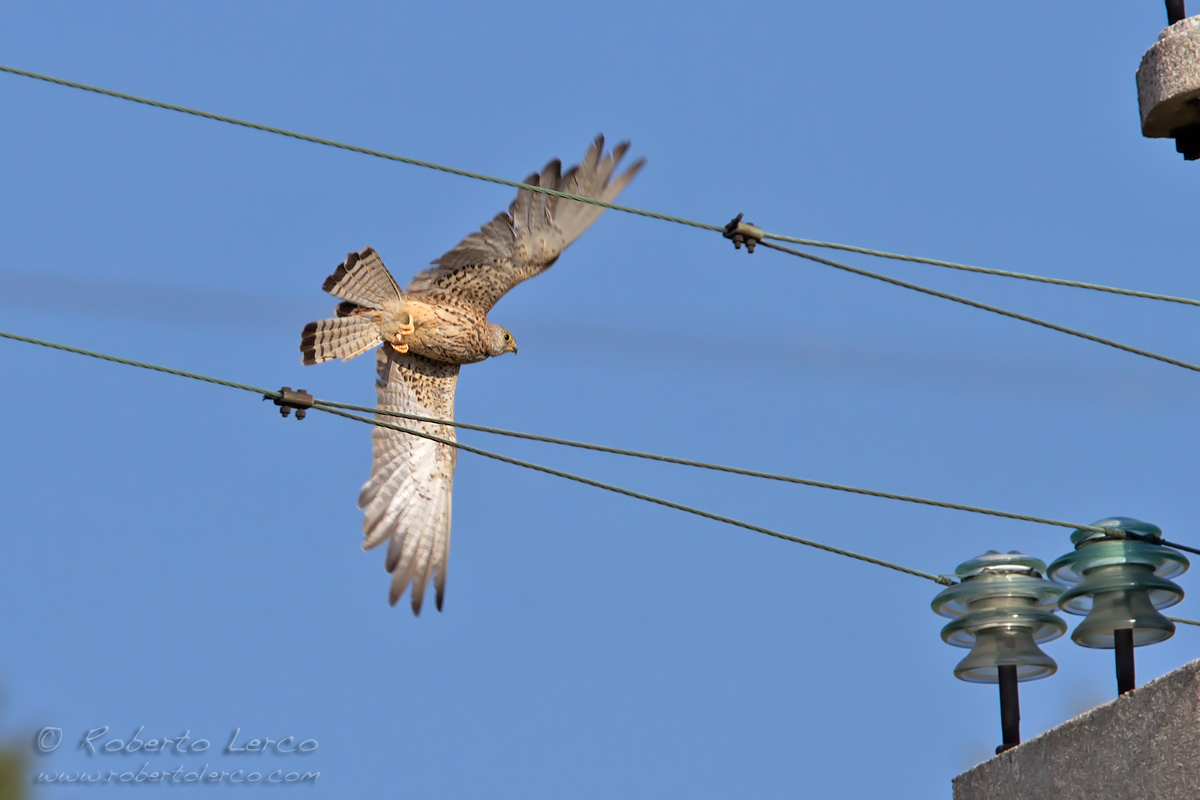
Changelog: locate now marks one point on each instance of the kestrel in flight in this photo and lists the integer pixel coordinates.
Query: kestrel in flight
(427, 331)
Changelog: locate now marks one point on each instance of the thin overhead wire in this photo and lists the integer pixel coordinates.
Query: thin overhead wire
(983, 270)
(627, 209)
(416, 162)
(1183, 547)
(715, 467)
(338, 409)
(329, 405)
(984, 306)
(330, 409)
(140, 364)
(638, 495)
(801, 254)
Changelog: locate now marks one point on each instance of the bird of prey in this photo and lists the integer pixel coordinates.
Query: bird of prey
(425, 332)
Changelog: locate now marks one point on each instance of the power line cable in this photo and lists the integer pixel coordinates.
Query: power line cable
(638, 495)
(140, 364)
(940, 579)
(331, 408)
(329, 405)
(337, 410)
(325, 404)
(627, 209)
(266, 393)
(591, 200)
(356, 149)
(654, 215)
(984, 306)
(983, 270)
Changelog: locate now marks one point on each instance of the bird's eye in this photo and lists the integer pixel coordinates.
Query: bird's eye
(507, 337)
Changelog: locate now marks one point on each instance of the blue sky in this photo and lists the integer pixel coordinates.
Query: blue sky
(180, 558)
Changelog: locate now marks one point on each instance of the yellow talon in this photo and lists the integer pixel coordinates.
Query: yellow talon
(408, 329)
(400, 348)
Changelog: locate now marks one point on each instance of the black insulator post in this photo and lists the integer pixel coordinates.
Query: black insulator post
(1175, 11)
(1123, 639)
(1187, 141)
(1010, 708)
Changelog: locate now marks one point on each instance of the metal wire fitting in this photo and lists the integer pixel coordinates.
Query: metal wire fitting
(290, 398)
(743, 233)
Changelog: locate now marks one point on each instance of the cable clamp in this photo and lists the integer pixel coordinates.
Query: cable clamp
(291, 398)
(743, 233)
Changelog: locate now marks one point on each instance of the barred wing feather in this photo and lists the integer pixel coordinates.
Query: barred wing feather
(527, 240)
(407, 499)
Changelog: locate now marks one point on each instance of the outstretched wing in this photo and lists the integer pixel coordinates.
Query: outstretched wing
(407, 499)
(527, 240)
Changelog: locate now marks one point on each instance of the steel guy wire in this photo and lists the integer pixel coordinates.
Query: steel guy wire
(331, 408)
(984, 306)
(627, 209)
(141, 364)
(593, 201)
(355, 148)
(983, 270)
(704, 465)
(266, 393)
(638, 495)
(328, 405)
(336, 409)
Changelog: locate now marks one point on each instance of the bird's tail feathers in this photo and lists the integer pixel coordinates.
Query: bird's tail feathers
(344, 338)
(363, 280)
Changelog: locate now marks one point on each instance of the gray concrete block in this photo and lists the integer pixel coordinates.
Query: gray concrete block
(1168, 80)
(1145, 745)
